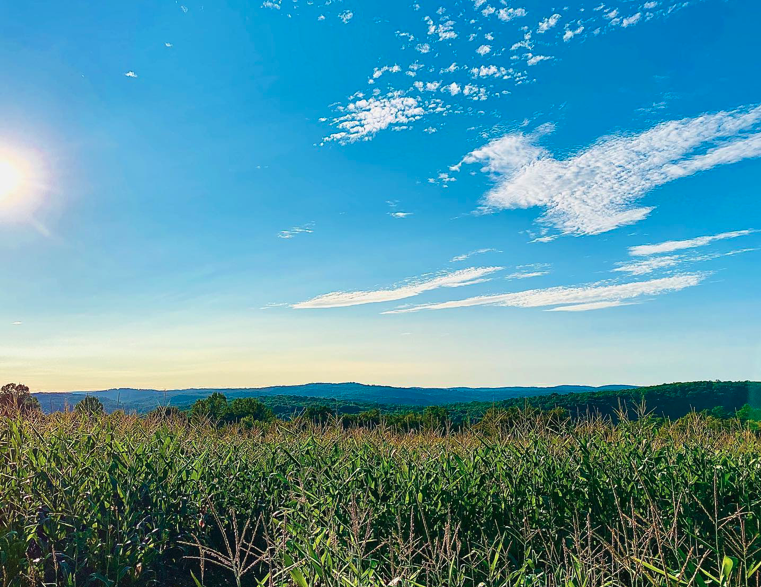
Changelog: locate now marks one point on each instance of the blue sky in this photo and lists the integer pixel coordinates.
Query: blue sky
(449, 193)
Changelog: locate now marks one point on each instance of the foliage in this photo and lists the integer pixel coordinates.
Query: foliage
(216, 408)
(89, 406)
(722, 399)
(524, 498)
(747, 413)
(166, 413)
(671, 400)
(15, 399)
(290, 400)
(320, 414)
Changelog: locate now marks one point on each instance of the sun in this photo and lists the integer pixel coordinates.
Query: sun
(11, 178)
(21, 184)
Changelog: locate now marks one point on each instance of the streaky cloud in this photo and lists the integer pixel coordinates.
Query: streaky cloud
(671, 246)
(652, 264)
(645, 266)
(590, 306)
(566, 296)
(526, 274)
(307, 228)
(465, 256)
(408, 289)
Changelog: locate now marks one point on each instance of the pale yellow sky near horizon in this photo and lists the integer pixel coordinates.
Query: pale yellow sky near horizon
(438, 349)
(417, 360)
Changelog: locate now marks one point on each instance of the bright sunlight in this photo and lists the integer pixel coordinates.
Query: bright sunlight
(11, 178)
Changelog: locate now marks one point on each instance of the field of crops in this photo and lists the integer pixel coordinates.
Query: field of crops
(118, 500)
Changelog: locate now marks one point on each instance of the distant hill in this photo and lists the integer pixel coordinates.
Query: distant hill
(363, 396)
(669, 400)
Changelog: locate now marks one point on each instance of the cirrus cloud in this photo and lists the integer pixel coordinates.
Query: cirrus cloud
(598, 188)
(414, 287)
(602, 295)
(671, 246)
(307, 228)
(471, 254)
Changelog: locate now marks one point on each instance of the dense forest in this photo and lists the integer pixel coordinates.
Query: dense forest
(142, 401)
(673, 400)
(720, 399)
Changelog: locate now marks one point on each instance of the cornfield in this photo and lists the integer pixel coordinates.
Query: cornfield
(120, 500)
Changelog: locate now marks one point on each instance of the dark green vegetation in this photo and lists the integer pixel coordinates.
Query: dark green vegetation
(537, 494)
(672, 400)
(520, 499)
(89, 405)
(144, 400)
(16, 399)
(722, 399)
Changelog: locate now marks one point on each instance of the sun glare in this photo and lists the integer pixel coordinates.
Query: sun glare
(11, 178)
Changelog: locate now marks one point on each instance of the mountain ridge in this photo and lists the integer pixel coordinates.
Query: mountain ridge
(144, 400)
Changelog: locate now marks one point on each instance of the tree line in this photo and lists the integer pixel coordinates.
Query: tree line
(718, 400)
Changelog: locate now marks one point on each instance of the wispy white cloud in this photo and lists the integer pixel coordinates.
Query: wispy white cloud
(130, 74)
(568, 296)
(489, 71)
(363, 118)
(590, 306)
(394, 204)
(711, 256)
(444, 30)
(475, 93)
(408, 289)
(652, 264)
(508, 14)
(379, 71)
(671, 246)
(547, 23)
(453, 88)
(16, 323)
(631, 20)
(532, 59)
(442, 179)
(645, 266)
(346, 16)
(272, 305)
(528, 271)
(459, 258)
(597, 189)
(307, 228)
(570, 32)
(432, 40)
(526, 274)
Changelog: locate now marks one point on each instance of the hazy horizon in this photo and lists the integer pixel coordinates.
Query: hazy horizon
(218, 387)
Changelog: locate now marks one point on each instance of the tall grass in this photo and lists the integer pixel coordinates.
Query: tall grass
(116, 500)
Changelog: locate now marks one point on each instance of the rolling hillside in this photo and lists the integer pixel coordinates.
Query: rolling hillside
(144, 400)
